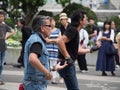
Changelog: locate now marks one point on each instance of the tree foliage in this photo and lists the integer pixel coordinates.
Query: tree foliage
(63, 2)
(74, 6)
(116, 19)
(28, 7)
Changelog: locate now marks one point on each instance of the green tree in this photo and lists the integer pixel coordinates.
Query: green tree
(63, 2)
(28, 7)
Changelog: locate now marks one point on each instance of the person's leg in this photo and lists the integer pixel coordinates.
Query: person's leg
(2, 59)
(85, 62)
(69, 75)
(117, 60)
(82, 62)
(79, 62)
(54, 73)
(20, 60)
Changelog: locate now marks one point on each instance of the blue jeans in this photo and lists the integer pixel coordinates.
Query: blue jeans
(69, 75)
(34, 85)
(2, 59)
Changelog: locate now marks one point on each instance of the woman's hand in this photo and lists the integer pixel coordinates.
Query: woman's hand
(59, 67)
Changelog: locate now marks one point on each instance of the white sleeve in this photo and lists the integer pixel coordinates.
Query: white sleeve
(86, 38)
(112, 34)
(99, 35)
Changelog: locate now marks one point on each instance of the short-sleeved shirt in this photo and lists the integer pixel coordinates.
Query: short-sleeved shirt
(36, 48)
(4, 28)
(72, 46)
(94, 28)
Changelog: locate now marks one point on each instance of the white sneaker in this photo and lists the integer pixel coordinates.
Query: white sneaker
(84, 71)
(117, 66)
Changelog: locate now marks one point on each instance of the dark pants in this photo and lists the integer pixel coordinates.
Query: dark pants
(21, 57)
(82, 62)
(69, 76)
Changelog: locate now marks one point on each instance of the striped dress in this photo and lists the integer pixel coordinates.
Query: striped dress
(52, 47)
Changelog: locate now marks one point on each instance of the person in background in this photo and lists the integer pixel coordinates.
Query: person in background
(118, 44)
(5, 32)
(63, 18)
(68, 46)
(36, 58)
(105, 62)
(93, 31)
(53, 48)
(26, 32)
(116, 31)
(83, 42)
(64, 22)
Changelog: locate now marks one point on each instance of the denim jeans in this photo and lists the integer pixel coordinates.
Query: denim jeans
(69, 75)
(34, 85)
(2, 59)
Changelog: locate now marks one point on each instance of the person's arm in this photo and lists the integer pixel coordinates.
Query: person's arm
(9, 34)
(61, 44)
(55, 40)
(59, 66)
(94, 34)
(35, 52)
(112, 35)
(33, 59)
(99, 36)
(83, 51)
(86, 36)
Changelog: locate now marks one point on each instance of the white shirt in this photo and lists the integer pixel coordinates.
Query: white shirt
(111, 35)
(83, 35)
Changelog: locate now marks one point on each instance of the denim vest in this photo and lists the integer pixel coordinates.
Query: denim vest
(31, 73)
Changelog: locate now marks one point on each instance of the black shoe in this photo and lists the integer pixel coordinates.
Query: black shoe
(104, 74)
(17, 65)
(5, 63)
(113, 74)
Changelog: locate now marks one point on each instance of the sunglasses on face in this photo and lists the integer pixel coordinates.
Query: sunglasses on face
(47, 25)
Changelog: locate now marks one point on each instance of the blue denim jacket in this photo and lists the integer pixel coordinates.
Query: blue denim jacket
(31, 73)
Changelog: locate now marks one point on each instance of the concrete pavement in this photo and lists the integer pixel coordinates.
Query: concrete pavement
(87, 81)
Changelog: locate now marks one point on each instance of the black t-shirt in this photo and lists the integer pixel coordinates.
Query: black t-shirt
(36, 48)
(92, 29)
(72, 45)
(62, 28)
(26, 32)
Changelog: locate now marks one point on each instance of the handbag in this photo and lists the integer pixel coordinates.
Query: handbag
(21, 86)
(110, 49)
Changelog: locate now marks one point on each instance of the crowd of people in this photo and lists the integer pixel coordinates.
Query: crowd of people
(48, 50)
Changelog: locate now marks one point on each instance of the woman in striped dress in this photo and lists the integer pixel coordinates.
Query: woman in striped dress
(53, 48)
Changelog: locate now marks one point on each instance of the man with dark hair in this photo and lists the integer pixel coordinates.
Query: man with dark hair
(68, 45)
(26, 32)
(93, 31)
(4, 28)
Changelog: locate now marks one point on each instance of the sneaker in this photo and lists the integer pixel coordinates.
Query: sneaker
(84, 71)
(117, 66)
(104, 74)
(113, 74)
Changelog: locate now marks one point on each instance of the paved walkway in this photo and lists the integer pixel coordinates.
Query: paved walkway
(87, 81)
